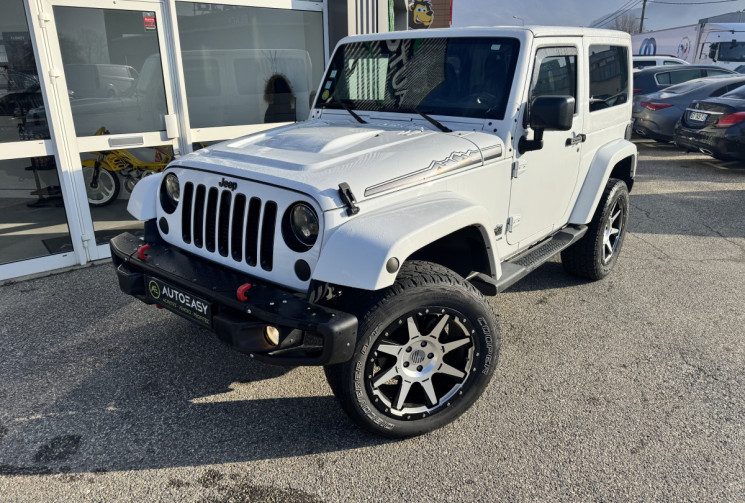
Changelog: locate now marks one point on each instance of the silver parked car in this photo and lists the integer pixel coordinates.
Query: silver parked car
(656, 114)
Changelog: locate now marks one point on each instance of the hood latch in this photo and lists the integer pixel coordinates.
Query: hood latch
(348, 199)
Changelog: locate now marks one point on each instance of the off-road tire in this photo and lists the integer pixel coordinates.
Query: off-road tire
(446, 310)
(587, 257)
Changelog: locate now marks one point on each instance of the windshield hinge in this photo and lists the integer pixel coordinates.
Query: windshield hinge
(348, 199)
(518, 167)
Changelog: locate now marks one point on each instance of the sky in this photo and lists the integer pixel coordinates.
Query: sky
(584, 12)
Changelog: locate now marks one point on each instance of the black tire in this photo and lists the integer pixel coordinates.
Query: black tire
(589, 257)
(451, 355)
(105, 190)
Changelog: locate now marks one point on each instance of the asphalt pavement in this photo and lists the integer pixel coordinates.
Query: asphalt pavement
(627, 389)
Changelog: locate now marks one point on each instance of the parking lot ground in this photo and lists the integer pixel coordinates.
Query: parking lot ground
(627, 389)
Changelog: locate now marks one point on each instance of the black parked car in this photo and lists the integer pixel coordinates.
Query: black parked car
(653, 79)
(715, 126)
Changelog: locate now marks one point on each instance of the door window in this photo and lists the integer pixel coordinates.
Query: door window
(102, 52)
(609, 76)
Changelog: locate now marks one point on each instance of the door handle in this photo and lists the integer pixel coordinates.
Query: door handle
(575, 139)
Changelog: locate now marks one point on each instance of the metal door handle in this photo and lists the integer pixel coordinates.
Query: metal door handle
(575, 139)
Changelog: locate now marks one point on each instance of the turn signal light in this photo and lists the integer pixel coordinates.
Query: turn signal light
(730, 119)
(655, 106)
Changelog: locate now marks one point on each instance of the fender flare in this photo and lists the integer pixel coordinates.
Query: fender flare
(355, 254)
(143, 202)
(597, 176)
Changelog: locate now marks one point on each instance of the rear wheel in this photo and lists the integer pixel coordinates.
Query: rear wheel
(427, 348)
(594, 256)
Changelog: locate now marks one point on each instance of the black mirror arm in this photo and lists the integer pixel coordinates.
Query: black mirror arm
(525, 145)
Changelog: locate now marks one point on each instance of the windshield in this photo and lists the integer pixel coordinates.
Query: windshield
(732, 51)
(465, 77)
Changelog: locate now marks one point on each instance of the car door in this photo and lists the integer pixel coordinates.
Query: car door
(543, 180)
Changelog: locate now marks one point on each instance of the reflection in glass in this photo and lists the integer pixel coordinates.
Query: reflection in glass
(110, 177)
(21, 102)
(249, 65)
(32, 217)
(112, 68)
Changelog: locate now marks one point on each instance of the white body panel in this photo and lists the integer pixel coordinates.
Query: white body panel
(412, 184)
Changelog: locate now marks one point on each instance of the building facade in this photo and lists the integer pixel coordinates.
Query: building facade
(96, 94)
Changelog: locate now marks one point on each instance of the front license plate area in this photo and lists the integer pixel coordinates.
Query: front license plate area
(179, 301)
(698, 116)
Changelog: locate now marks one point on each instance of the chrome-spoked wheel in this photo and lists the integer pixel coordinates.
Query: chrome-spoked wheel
(427, 347)
(613, 230)
(421, 361)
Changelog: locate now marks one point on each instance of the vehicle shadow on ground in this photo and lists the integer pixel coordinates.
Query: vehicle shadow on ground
(166, 401)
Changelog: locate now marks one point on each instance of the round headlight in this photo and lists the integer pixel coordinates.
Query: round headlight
(169, 193)
(172, 187)
(300, 227)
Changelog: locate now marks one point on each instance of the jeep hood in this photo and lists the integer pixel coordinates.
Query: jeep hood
(315, 157)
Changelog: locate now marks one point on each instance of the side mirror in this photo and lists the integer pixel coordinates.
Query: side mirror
(713, 51)
(547, 113)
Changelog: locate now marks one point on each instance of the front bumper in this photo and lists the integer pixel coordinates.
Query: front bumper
(309, 334)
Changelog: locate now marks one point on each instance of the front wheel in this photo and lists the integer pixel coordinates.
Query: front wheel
(594, 256)
(101, 185)
(426, 350)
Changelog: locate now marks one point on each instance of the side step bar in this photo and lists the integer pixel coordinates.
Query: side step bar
(521, 265)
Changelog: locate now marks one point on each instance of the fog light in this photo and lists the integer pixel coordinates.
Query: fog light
(272, 335)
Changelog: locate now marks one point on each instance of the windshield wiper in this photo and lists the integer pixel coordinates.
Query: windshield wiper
(348, 109)
(439, 125)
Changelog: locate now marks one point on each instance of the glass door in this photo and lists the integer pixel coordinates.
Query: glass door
(112, 76)
(35, 235)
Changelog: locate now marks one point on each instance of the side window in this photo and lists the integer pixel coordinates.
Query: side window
(663, 79)
(557, 73)
(711, 72)
(609, 76)
(667, 63)
(680, 76)
(644, 64)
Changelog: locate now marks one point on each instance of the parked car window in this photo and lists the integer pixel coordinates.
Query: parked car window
(609, 76)
(666, 63)
(644, 64)
(678, 76)
(713, 72)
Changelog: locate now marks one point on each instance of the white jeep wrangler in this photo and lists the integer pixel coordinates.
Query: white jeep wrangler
(435, 168)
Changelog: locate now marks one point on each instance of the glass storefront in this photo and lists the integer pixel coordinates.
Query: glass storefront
(249, 65)
(116, 101)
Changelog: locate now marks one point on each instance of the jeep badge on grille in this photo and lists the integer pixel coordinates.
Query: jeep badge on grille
(227, 184)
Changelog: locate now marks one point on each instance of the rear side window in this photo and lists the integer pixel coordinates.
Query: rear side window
(672, 63)
(713, 72)
(677, 77)
(609, 76)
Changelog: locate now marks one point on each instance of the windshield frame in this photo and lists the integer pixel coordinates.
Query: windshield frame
(480, 60)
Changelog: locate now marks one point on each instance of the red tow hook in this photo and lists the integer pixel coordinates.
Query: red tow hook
(241, 293)
(141, 251)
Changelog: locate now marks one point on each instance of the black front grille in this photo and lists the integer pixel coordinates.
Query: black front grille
(228, 225)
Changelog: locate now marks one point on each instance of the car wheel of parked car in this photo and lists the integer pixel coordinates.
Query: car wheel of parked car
(427, 347)
(594, 255)
(103, 189)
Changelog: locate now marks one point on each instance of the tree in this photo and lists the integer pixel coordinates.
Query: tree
(625, 22)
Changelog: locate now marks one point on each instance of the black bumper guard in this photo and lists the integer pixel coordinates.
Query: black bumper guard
(309, 334)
